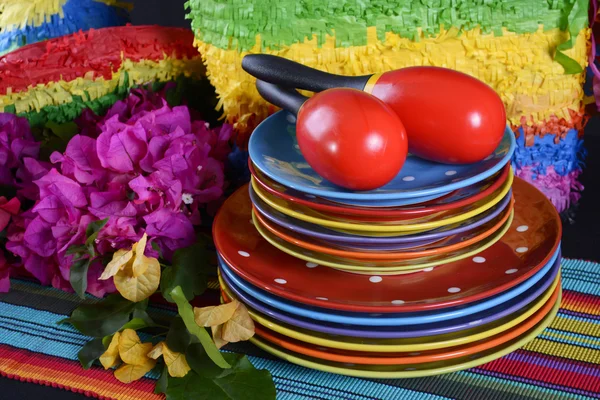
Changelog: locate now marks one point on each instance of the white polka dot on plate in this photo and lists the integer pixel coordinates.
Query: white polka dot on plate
(375, 279)
(522, 228)
(479, 260)
(280, 281)
(522, 249)
(511, 271)
(450, 173)
(312, 265)
(244, 253)
(453, 290)
(291, 119)
(428, 269)
(397, 302)
(408, 178)
(322, 298)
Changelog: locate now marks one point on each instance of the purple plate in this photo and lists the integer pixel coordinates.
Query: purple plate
(374, 243)
(395, 332)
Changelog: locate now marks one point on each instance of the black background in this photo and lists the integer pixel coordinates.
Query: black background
(580, 239)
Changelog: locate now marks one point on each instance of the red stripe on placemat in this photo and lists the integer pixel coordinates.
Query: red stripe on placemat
(41, 369)
(557, 371)
(580, 302)
(92, 54)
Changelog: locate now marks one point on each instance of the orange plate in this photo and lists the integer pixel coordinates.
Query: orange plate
(439, 206)
(458, 241)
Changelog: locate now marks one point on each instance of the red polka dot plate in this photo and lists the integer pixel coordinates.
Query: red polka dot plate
(532, 238)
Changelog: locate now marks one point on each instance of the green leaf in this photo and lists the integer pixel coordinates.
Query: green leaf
(199, 361)
(245, 384)
(571, 66)
(64, 131)
(106, 340)
(76, 250)
(78, 276)
(192, 282)
(135, 324)
(186, 272)
(187, 315)
(92, 230)
(103, 318)
(162, 382)
(143, 315)
(90, 352)
(178, 337)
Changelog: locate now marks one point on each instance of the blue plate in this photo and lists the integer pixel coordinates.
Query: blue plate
(393, 319)
(387, 202)
(508, 309)
(274, 150)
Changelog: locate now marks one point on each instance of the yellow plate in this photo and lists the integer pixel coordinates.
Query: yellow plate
(379, 267)
(414, 370)
(397, 345)
(308, 215)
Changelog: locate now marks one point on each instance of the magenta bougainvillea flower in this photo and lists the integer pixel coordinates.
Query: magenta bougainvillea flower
(17, 148)
(146, 167)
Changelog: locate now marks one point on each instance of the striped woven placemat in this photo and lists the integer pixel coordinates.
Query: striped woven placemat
(563, 362)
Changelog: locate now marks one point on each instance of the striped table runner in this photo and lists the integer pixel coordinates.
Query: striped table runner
(564, 362)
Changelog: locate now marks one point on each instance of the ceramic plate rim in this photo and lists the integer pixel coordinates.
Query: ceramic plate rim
(525, 338)
(439, 315)
(375, 212)
(430, 225)
(434, 305)
(384, 196)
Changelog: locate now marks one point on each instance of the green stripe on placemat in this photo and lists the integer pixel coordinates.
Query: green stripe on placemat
(557, 365)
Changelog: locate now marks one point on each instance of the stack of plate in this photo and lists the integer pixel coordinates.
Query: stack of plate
(445, 268)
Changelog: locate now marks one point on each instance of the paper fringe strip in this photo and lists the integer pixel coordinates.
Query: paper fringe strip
(519, 67)
(26, 21)
(565, 156)
(235, 24)
(54, 81)
(562, 190)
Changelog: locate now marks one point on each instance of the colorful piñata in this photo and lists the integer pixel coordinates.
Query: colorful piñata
(53, 82)
(532, 52)
(24, 22)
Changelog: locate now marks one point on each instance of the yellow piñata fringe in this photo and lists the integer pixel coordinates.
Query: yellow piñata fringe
(17, 14)
(520, 67)
(62, 92)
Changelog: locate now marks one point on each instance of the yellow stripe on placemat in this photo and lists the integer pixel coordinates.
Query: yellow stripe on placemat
(58, 93)
(520, 67)
(563, 350)
(576, 326)
(17, 14)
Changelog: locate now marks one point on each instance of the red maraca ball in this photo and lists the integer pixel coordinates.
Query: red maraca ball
(351, 138)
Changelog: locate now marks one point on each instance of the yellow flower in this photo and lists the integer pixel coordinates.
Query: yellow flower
(229, 322)
(176, 363)
(136, 276)
(127, 347)
(110, 358)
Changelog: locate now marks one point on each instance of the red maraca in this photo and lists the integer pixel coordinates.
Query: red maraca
(347, 136)
(449, 116)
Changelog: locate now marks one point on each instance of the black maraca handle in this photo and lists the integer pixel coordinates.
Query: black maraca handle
(288, 99)
(284, 72)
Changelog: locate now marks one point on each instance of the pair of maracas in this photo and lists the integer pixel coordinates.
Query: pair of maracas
(356, 131)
